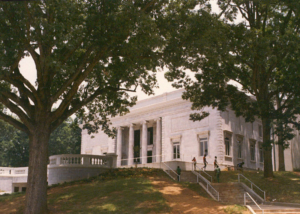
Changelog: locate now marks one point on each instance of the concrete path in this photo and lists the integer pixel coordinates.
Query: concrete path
(276, 209)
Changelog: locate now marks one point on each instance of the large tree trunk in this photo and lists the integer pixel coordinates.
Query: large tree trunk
(36, 192)
(268, 166)
(281, 157)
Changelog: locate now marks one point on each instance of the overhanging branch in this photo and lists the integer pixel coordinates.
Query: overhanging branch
(14, 122)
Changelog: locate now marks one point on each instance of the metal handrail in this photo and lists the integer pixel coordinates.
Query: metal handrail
(204, 173)
(264, 192)
(170, 170)
(245, 194)
(207, 183)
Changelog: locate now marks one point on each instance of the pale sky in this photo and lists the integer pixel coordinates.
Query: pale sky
(27, 68)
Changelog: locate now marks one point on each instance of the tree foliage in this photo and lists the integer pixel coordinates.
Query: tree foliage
(14, 144)
(89, 55)
(260, 53)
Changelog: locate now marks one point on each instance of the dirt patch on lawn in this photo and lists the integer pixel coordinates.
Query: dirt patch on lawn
(185, 201)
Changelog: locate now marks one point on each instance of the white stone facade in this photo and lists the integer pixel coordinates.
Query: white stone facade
(160, 127)
(13, 179)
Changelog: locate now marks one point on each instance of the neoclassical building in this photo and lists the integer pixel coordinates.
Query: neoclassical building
(158, 129)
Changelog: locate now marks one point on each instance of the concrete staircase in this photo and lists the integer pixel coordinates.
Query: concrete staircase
(232, 193)
(188, 176)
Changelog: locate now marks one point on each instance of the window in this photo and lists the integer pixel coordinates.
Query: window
(239, 148)
(261, 153)
(227, 146)
(203, 146)
(260, 131)
(176, 150)
(252, 151)
(150, 136)
(23, 189)
(149, 156)
(136, 148)
(16, 189)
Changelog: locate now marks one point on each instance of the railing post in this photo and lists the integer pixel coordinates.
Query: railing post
(265, 195)
(197, 179)
(239, 178)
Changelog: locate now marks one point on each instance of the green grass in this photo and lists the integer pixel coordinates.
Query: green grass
(235, 209)
(7, 197)
(116, 191)
(131, 191)
(284, 187)
(134, 195)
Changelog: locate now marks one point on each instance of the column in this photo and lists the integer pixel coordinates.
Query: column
(131, 145)
(119, 146)
(158, 140)
(144, 142)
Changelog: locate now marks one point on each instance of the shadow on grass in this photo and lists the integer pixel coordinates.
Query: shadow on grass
(135, 195)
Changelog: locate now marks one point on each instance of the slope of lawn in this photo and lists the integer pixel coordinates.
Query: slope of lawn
(117, 191)
(284, 187)
(131, 191)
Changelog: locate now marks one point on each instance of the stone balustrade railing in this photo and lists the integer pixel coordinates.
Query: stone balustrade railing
(105, 161)
(14, 171)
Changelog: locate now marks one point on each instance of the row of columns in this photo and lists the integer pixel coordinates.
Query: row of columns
(144, 145)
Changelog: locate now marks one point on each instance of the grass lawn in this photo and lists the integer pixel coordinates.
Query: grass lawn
(131, 191)
(284, 187)
(114, 192)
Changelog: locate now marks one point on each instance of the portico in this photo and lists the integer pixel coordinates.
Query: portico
(139, 142)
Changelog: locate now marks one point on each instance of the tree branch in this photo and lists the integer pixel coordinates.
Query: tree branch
(15, 109)
(14, 122)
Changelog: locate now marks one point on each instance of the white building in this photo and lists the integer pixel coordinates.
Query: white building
(158, 129)
(13, 179)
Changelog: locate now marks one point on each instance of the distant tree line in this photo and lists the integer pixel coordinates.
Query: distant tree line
(14, 146)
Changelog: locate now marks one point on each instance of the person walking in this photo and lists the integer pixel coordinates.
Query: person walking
(218, 172)
(178, 173)
(204, 162)
(215, 162)
(194, 163)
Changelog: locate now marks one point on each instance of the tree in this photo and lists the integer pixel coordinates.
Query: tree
(89, 55)
(260, 53)
(14, 147)
(66, 139)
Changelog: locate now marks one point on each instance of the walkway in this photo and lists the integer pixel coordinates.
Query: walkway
(276, 209)
(184, 200)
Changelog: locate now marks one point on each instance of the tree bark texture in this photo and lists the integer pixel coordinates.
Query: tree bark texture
(36, 192)
(268, 166)
(281, 157)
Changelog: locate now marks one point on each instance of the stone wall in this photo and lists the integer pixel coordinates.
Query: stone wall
(65, 174)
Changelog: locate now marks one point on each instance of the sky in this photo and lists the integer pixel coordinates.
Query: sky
(27, 68)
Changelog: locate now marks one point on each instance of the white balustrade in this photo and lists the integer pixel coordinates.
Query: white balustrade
(13, 171)
(80, 160)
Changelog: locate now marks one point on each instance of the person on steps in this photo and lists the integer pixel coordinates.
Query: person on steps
(178, 173)
(215, 162)
(218, 172)
(204, 162)
(194, 163)
(240, 166)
